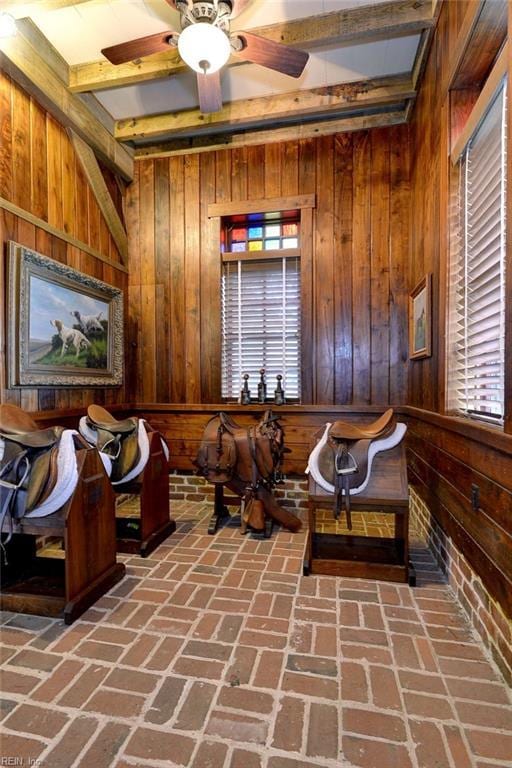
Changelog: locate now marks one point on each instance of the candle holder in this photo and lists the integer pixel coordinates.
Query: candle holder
(245, 394)
(279, 397)
(262, 387)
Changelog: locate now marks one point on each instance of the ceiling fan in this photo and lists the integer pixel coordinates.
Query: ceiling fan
(205, 44)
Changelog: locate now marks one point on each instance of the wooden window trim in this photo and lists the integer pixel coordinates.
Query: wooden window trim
(482, 104)
(284, 253)
(266, 205)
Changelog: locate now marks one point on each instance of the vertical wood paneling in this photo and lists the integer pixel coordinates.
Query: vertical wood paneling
(53, 155)
(289, 167)
(398, 278)
(5, 138)
(256, 172)
(178, 318)
(162, 277)
(436, 121)
(21, 148)
(147, 281)
(37, 173)
(132, 321)
(324, 272)
(223, 175)
(272, 170)
(210, 285)
(361, 269)
(307, 185)
(38, 168)
(192, 279)
(343, 221)
(379, 271)
(69, 188)
(239, 174)
(354, 247)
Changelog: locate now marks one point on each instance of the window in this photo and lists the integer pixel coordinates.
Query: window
(477, 284)
(261, 304)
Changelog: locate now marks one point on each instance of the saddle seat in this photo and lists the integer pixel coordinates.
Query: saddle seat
(18, 427)
(343, 430)
(102, 419)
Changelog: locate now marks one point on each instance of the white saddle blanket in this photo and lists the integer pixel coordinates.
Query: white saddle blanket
(377, 446)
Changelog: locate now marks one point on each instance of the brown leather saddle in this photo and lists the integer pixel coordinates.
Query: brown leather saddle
(343, 459)
(253, 454)
(28, 466)
(119, 439)
(248, 461)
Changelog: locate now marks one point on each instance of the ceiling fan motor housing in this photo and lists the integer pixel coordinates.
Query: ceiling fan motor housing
(216, 12)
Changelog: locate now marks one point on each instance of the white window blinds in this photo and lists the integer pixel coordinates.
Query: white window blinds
(476, 365)
(261, 324)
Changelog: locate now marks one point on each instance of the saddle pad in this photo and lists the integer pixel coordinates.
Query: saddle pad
(143, 455)
(92, 437)
(377, 446)
(67, 477)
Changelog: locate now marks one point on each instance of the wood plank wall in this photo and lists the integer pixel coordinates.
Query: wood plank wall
(356, 304)
(40, 173)
(448, 455)
(430, 146)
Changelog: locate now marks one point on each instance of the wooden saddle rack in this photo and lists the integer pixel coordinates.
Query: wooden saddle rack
(361, 468)
(135, 457)
(53, 485)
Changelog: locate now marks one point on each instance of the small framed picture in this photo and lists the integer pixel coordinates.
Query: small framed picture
(420, 319)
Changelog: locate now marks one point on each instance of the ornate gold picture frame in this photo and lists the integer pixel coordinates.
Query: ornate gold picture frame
(65, 328)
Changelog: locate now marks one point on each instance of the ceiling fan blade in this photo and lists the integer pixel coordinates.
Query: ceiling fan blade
(136, 49)
(210, 94)
(282, 58)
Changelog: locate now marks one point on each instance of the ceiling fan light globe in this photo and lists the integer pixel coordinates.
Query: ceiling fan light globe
(204, 47)
(7, 25)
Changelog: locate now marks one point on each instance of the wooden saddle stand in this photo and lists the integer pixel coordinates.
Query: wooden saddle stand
(29, 473)
(120, 440)
(247, 462)
(361, 468)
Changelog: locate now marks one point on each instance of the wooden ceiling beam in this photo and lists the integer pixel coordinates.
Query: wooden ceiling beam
(361, 24)
(319, 103)
(100, 190)
(291, 133)
(29, 60)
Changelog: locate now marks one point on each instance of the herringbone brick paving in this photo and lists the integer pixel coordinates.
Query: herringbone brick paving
(217, 653)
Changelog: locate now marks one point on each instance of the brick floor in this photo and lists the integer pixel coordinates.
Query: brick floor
(216, 652)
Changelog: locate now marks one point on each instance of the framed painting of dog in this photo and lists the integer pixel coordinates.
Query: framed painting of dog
(65, 328)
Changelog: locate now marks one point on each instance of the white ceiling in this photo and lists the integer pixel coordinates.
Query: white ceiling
(80, 32)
